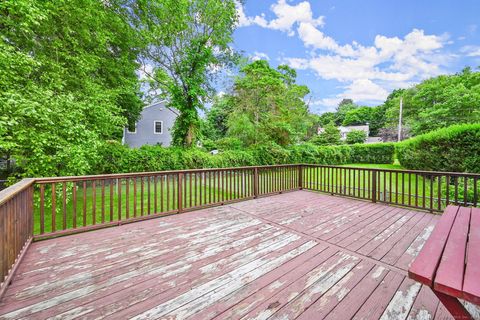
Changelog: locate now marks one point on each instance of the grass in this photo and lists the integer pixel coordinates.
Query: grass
(85, 204)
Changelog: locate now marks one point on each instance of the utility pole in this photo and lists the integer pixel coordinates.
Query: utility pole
(400, 120)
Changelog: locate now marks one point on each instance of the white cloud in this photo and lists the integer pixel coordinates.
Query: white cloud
(471, 51)
(367, 72)
(287, 16)
(259, 56)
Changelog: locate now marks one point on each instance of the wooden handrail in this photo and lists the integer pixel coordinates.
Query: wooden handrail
(16, 228)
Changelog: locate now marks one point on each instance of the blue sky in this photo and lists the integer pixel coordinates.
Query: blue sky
(360, 49)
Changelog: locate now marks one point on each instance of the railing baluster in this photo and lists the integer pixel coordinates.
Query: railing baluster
(127, 198)
(94, 202)
(103, 200)
(42, 209)
(142, 196)
(64, 205)
(54, 208)
(84, 203)
(456, 189)
(119, 198)
(74, 204)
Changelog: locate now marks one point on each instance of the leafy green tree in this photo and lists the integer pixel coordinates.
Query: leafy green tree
(216, 118)
(437, 102)
(325, 118)
(374, 116)
(343, 108)
(186, 41)
(268, 106)
(358, 116)
(356, 136)
(329, 136)
(67, 82)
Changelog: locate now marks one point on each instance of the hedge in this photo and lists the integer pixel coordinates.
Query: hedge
(116, 158)
(455, 148)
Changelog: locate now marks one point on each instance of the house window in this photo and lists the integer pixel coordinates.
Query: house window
(132, 129)
(158, 127)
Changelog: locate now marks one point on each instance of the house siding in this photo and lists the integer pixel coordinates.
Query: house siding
(145, 127)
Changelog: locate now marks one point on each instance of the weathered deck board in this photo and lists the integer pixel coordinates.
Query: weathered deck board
(299, 255)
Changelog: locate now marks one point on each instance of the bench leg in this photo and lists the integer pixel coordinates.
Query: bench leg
(456, 309)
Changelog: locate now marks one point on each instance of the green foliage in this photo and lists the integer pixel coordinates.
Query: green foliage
(116, 158)
(329, 136)
(456, 149)
(230, 143)
(437, 102)
(356, 136)
(266, 105)
(345, 106)
(215, 124)
(373, 153)
(67, 82)
(185, 41)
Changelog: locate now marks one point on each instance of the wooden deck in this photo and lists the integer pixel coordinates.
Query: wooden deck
(300, 255)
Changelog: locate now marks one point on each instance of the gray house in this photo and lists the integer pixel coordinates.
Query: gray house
(154, 126)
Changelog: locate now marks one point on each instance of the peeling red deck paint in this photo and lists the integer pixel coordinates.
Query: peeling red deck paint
(300, 255)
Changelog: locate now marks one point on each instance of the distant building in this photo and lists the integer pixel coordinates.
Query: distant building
(154, 127)
(347, 129)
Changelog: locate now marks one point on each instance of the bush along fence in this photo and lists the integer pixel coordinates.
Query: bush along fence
(34, 209)
(115, 158)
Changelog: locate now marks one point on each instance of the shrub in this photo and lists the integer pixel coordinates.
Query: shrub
(229, 143)
(329, 136)
(117, 158)
(372, 153)
(455, 148)
(356, 136)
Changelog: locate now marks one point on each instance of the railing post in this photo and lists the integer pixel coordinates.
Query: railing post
(300, 177)
(179, 193)
(374, 185)
(255, 182)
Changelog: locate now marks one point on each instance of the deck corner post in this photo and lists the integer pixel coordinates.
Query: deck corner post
(179, 193)
(374, 186)
(300, 177)
(255, 183)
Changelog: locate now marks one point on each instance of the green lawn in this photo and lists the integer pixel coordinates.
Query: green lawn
(112, 200)
(399, 188)
(93, 204)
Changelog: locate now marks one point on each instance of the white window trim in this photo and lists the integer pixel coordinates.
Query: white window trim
(155, 127)
(134, 131)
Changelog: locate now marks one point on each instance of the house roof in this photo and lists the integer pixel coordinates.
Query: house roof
(162, 102)
(350, 128)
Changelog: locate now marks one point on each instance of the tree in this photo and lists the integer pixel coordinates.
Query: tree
(325, 118)
(358, 116)
(437, 102)
(186, 41)
(343, 108)
(216, 118)
(356, 136)
(329, 136)
(67, 82)
(268, 106)
(373, 116)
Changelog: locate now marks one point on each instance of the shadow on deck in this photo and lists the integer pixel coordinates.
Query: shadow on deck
(300, 255)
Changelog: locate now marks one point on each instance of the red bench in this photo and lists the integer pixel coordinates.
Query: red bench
(449, 262)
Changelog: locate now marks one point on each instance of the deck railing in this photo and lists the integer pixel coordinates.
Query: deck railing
(16, 227)
(47, 207)
(425, 190)
(74, 204)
